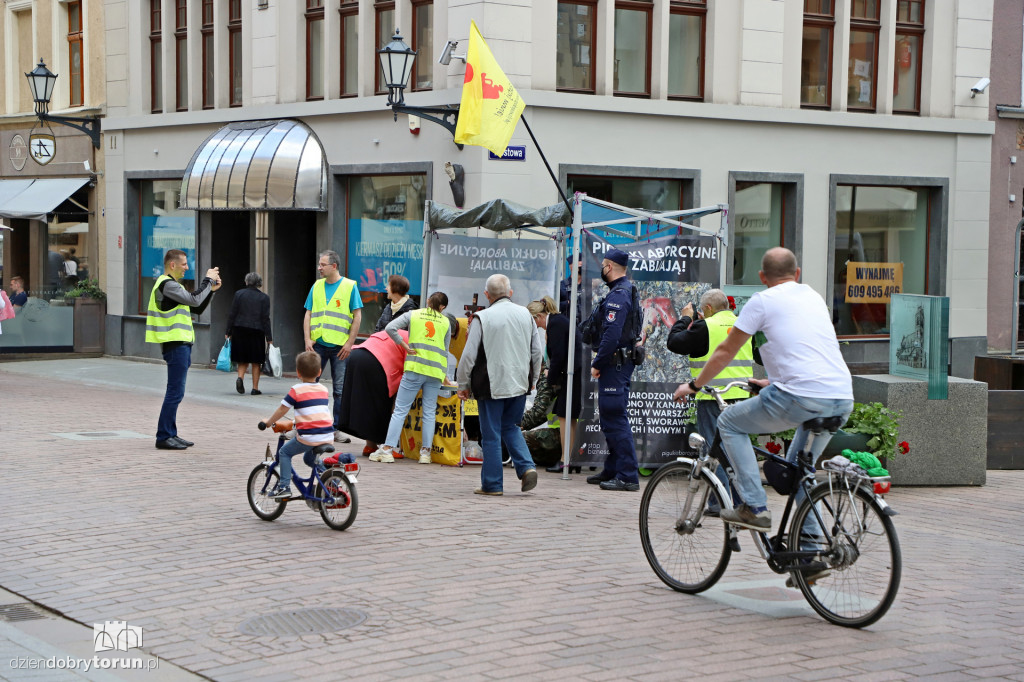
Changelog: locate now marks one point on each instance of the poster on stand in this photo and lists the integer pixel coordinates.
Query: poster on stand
(668, 272)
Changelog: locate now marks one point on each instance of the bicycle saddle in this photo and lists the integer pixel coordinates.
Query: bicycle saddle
(320, 449)
(822, 424)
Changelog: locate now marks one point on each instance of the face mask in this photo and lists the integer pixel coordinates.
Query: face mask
(604, 276)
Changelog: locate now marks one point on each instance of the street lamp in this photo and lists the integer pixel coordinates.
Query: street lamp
(396, 63)
(40, 82)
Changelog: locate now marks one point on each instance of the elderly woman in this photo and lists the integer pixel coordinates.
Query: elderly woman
(398, 302)
(249, 331)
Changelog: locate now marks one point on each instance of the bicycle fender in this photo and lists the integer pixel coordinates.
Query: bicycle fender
(886, 509)
(723, 492)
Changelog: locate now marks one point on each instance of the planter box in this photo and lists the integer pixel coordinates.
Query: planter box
(90, 325)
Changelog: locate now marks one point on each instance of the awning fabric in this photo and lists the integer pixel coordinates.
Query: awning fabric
(32, 199)
(498, 215)
(257, 166)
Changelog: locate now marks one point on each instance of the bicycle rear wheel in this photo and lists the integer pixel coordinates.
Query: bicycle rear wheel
(688, 554)
(864, 557)
(339, 514)
(264, 506)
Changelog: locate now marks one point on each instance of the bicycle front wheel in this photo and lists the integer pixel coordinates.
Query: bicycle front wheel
(341, 512)
(863, 558)
(264, 506)
(688, 549)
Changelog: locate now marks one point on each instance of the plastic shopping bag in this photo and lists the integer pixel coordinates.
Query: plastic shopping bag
(224, 358)
(274, 360)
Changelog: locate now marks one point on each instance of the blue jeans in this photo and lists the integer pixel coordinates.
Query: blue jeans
(284, 457)
(178, 360)
(707, 424)
(499, 423)
(772, 410)
(411, 384)
(337, 373)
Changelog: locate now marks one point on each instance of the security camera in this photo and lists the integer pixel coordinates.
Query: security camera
(448, 54)
(980, 87)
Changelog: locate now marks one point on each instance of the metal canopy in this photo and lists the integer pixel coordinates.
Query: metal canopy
(33, 199)
(257, 166)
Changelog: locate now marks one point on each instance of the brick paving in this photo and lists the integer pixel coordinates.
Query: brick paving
(551, 584)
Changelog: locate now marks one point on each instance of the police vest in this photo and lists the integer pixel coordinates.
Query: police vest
(741, 366)
(427, 330)
(171, 325)
(331, 321)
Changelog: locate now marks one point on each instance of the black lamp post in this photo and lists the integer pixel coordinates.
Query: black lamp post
(396, 63)
(41, 81)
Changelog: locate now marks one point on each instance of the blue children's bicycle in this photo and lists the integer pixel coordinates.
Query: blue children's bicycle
(330, 487)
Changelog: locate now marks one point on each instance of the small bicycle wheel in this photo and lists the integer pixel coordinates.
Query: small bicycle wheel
(265, 507)
(864, 557)
(689, 553)
(339, 514)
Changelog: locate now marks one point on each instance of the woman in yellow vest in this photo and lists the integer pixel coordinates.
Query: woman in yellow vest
(426, 362)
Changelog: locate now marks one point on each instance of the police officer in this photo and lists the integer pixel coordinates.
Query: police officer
(613, 368)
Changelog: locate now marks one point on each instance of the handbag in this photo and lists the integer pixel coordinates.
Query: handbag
(274, 361)
(224, 357)
(7, 312)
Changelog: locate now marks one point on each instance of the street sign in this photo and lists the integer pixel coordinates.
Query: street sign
(511, 154)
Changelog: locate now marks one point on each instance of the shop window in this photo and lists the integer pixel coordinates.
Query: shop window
(163, 226)
(156, 59)
(687, 24)
(762, 213)
(207, 38)
(349, 48)
(906, 83)
(385, 25)
(654, 194)
(385, 236)
(632, 66)
(862, 67)
(816, 55)
(181, 55)
(76, 68)
(423, 43)
(314, 49)
(577, 28)
(881, 248)
(235, 53)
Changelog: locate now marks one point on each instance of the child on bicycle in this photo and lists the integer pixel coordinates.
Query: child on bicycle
(314, 424)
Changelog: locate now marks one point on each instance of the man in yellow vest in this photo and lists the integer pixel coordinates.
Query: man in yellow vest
(169, 323)
(333, 314)
(699, 338)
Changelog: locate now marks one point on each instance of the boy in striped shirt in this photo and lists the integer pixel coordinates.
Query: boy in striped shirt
(314, 424)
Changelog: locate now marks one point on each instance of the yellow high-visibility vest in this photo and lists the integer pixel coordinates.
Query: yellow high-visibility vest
(741, 366)
(172, 325)
(427, 330)
(331, 321)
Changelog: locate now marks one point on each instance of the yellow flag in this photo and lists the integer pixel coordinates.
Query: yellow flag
(491, 105)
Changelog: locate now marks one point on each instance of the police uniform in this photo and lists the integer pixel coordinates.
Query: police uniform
(612, 359)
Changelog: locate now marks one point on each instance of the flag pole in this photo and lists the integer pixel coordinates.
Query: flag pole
(546, 164)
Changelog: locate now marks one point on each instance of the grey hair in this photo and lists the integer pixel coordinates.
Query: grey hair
(498, 285)
(715, 298)
(332, 258)
(253, 279)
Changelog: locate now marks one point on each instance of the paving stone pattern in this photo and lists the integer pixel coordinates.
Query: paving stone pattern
(550, 584)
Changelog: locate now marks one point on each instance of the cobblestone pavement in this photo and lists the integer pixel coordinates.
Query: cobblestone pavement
(551, 584)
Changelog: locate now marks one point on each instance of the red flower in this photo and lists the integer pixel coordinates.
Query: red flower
(904, 447)
(773, 447)
(732, 303)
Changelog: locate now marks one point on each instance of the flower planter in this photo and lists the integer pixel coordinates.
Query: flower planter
(90, 325)
(858, 442)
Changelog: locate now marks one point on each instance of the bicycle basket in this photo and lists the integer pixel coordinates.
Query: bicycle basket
(782, 476)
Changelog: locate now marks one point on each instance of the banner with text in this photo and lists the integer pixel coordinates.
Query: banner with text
(447, 445)
(668, 272)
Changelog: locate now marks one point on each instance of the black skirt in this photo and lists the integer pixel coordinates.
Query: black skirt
(577, 398)
(248, 346)
(365, 404)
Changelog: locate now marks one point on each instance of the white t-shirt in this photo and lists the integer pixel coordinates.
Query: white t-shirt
(802, 353)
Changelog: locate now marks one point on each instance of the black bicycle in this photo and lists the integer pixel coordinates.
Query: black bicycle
(839, 546)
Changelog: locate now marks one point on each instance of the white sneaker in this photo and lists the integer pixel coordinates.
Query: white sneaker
(425, 456)
(340, 437)
(382, 454)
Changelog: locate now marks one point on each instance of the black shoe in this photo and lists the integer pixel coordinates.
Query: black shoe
(575, 469)
(255, 392)
(239, 386)
(619, 484)
(186, 443)
(555, 468)
(170, 444)
(597, 479)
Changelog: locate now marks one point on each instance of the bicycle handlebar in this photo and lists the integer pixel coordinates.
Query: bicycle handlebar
(262, 426)
(745, 384)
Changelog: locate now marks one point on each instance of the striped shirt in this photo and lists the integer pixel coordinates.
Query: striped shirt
(314, 423)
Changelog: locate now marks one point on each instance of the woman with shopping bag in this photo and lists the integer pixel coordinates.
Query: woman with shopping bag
(249, 331)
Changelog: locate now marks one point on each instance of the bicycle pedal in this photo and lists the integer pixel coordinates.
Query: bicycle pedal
(734, 544)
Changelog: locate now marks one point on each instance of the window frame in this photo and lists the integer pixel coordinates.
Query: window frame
(156, 80)
(910, 28)
(648, 8)
(873, 25)
(206, 36)
(820, 19)
(234, 34)
(348, 8)
(416, 5)
(592, 4)
(314, 12)
(379, 8)
(75, 38)
(135, 183)
(180, 50)
(698, 8)
(792, 211)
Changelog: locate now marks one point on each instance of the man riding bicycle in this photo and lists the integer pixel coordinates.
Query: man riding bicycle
(807, 377)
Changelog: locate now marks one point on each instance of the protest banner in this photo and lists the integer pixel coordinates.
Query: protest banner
(447, 445)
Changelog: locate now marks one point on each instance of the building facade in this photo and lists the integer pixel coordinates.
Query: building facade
(846, 130)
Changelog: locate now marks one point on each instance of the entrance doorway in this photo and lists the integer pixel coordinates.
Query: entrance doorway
(230, 246)
(293, 266)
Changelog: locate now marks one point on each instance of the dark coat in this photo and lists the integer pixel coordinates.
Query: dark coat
(386, 316)
(250, 309)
